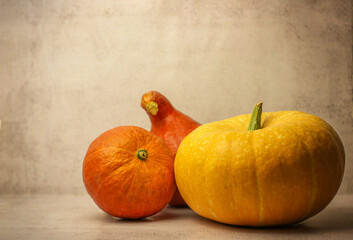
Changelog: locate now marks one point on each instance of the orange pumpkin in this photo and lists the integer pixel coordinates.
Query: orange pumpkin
(129, 172)
(169, 124)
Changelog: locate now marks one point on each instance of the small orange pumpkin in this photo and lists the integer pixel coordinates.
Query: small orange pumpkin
(129, 172)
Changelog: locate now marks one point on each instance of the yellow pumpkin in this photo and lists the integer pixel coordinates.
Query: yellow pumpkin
(286, 167)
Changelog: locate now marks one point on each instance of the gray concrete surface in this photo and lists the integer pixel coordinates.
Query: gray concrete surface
(77, 217)
(70, 70)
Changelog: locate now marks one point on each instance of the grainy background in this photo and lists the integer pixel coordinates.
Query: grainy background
(70, 70)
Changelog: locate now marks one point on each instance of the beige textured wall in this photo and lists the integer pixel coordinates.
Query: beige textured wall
(70, 70)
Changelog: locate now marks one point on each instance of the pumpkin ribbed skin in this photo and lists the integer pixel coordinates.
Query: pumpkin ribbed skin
(119, 182)
(283, 173)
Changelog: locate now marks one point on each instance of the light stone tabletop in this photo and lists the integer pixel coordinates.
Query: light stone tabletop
(77, 217)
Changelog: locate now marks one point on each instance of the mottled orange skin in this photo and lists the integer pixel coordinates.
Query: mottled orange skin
(171, 125)
(283, 173)
(119, 182)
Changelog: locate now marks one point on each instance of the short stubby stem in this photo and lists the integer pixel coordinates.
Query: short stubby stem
(255, 120)
(142, 154)
(152, 107)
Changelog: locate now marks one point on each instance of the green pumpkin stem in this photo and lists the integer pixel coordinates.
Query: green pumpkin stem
(142, 154)
(255, 120)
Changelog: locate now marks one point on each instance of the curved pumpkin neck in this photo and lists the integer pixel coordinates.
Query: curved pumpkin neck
(157, 107)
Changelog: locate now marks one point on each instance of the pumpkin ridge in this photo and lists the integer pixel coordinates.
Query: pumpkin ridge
(313, 178)
(335, 138)
(329, 131)
(115, 170)
(312, 166)
(103, 182)
(124, 165)
(261, 208)
(133, 177)
(110, 148)
(109, 157)
(137, 137)
(211, 213)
